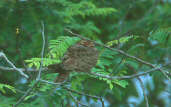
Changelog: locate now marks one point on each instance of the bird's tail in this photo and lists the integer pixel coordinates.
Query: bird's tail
(62, 77)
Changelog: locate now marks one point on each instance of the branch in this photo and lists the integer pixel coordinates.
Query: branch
(21, 69)
(38, 76)
(119, 51)
(102, 102)
(12, 65)
(79, 93)
(25, 95)
(73, 91)
(78, 102)
(49, 82)
(128, 77)
(42, 53)
(143, 88)
(142, 85)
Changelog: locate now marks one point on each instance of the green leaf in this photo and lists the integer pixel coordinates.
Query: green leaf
(2, 86)
(111, 86)
(122, 83)
(30, 96)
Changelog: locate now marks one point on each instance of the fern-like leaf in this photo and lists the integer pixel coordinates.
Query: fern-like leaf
(59, 47)
(57, 50)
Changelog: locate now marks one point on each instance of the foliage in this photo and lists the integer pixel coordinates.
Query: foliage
(162, 36)
(59, 47)
(57, 50)
(121, 40)
(140, 28)
(2, 86)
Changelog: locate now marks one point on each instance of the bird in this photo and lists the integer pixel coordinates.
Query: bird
(80, 57)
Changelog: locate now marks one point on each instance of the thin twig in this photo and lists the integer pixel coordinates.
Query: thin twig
(38, 77)
(119, 51)
(144, 93)
(25, 95)
(20, 91)
(42, 53)
(76, 101)
(102, 102)
(49, 82)
(142, 85)
(21, 69)
(12, 65)
(79, 93)
(128, 77)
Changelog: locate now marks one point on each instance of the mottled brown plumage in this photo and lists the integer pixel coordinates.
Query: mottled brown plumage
(81, 57)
